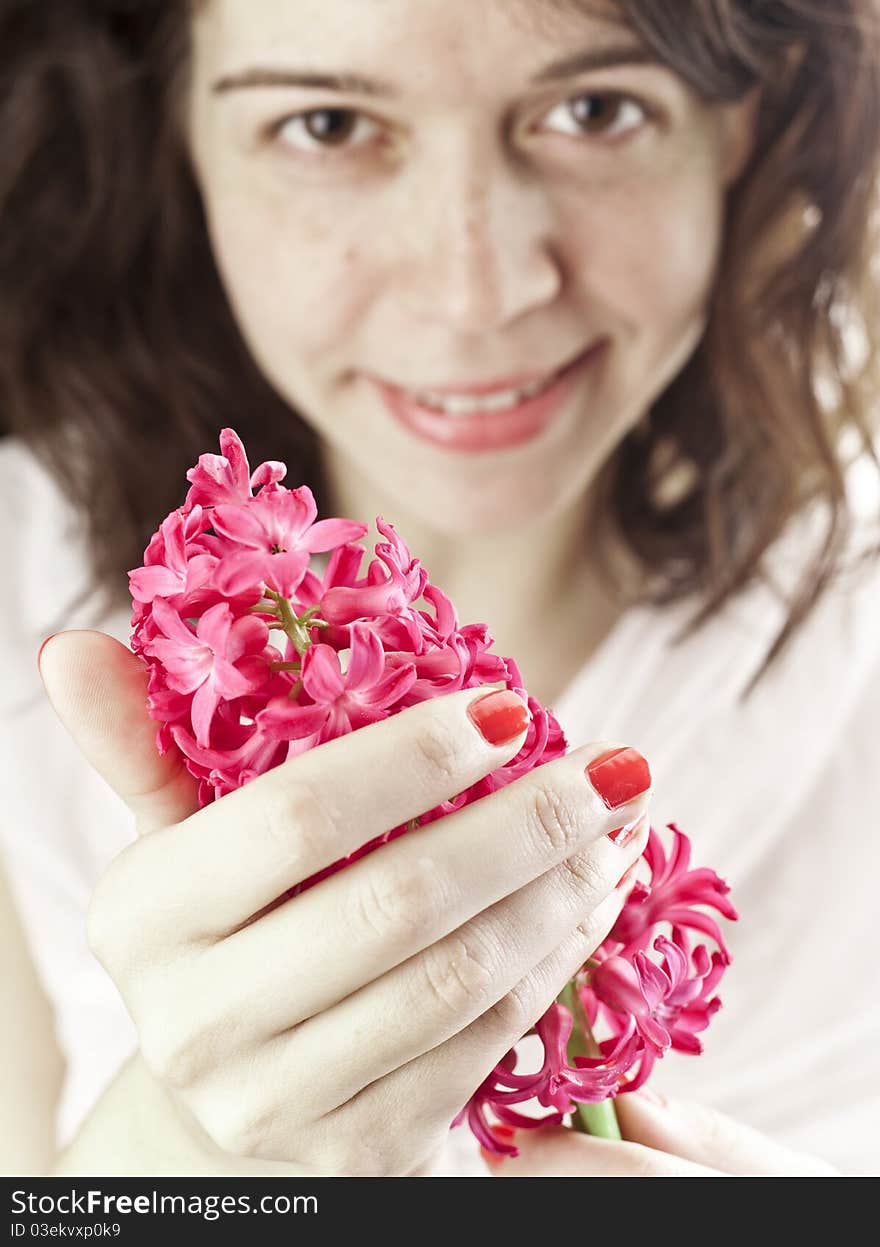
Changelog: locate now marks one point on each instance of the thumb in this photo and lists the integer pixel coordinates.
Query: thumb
(704, 1135)
(558, 1152)
(98, 689)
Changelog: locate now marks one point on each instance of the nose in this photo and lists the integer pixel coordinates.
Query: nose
(478, 252)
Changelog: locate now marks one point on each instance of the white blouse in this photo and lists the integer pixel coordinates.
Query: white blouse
(779, 794)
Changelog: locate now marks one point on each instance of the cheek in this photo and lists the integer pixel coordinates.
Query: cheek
(648, 253)
(667, 277)
(296, 282)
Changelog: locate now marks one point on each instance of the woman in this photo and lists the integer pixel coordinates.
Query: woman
(582, 303)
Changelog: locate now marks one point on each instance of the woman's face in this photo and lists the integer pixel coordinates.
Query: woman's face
(409, 203)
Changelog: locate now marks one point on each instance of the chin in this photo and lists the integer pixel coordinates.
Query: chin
(500, 505)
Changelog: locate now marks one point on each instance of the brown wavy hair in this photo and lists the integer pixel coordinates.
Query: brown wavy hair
(120, 359)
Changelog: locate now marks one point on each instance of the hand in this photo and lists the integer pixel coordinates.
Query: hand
(664, 1139)
(343, 1029)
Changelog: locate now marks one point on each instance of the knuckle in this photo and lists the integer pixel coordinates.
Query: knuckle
(181, 1036)
(555, 821)
(297, 828)
(642, 1162)
(593, 929)
(363, 1158)
(459, 974)
(254, 1136)
(441, 750)
(583, 876)
(513, 1014)
(169, 1054)
(363, 1145)
(128, 916)
(110, 923)
(404, 900)
(237, 1128)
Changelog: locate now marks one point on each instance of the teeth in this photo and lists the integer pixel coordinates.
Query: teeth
(469, 404)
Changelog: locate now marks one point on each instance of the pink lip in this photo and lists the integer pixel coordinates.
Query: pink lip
(515, 381)
(488, 430)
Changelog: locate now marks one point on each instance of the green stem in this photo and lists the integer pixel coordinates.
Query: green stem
(596, 1119)
(296, 627)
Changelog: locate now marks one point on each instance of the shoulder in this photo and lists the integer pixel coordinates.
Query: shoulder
(48, 789)
(28, 491)
(832, 660)
(772, 747)
(840, 637)
(46, 566)
(44, 553)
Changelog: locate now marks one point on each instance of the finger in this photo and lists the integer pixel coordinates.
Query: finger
(699, 1133)
(435, 1086)
(98, 689)
(432, 997)
(557, 1152)
(261, 1120)
(384, 909)
(320, 806)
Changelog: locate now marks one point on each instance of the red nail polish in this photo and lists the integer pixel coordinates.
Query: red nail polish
(627, 880)
(619, 775)
(504, 1134)
(653, 1097)
(499, 717)
(43, 646)
(620, 835)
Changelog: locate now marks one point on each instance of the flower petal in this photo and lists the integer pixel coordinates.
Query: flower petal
(657, 1036)
(288, 721)
(366, 664)
(322, 675)
(203, 707)
(147, 583)
(327, 534)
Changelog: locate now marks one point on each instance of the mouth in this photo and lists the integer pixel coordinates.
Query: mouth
(486, 415)
(471, 398)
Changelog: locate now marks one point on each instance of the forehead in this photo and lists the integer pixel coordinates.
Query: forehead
(414, 43)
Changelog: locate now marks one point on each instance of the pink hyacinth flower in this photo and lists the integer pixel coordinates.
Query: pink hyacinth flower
(669, 1003)
(380, 593)
(226, 478)
(230, 565)
(272, 537)
(172, 567)
(674, 893)
(342, 701)
(557, 1084)
(214, 662)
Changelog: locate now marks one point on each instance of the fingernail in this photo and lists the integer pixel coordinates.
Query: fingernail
(627, 880)
(504, 1134)
(499, 717)
(43, 646)
(620, 835)
(619, 775)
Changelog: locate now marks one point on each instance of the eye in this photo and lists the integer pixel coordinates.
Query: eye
(603, 114)
(326, 128)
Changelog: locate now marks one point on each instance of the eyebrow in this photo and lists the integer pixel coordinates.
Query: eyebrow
(358, 84)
